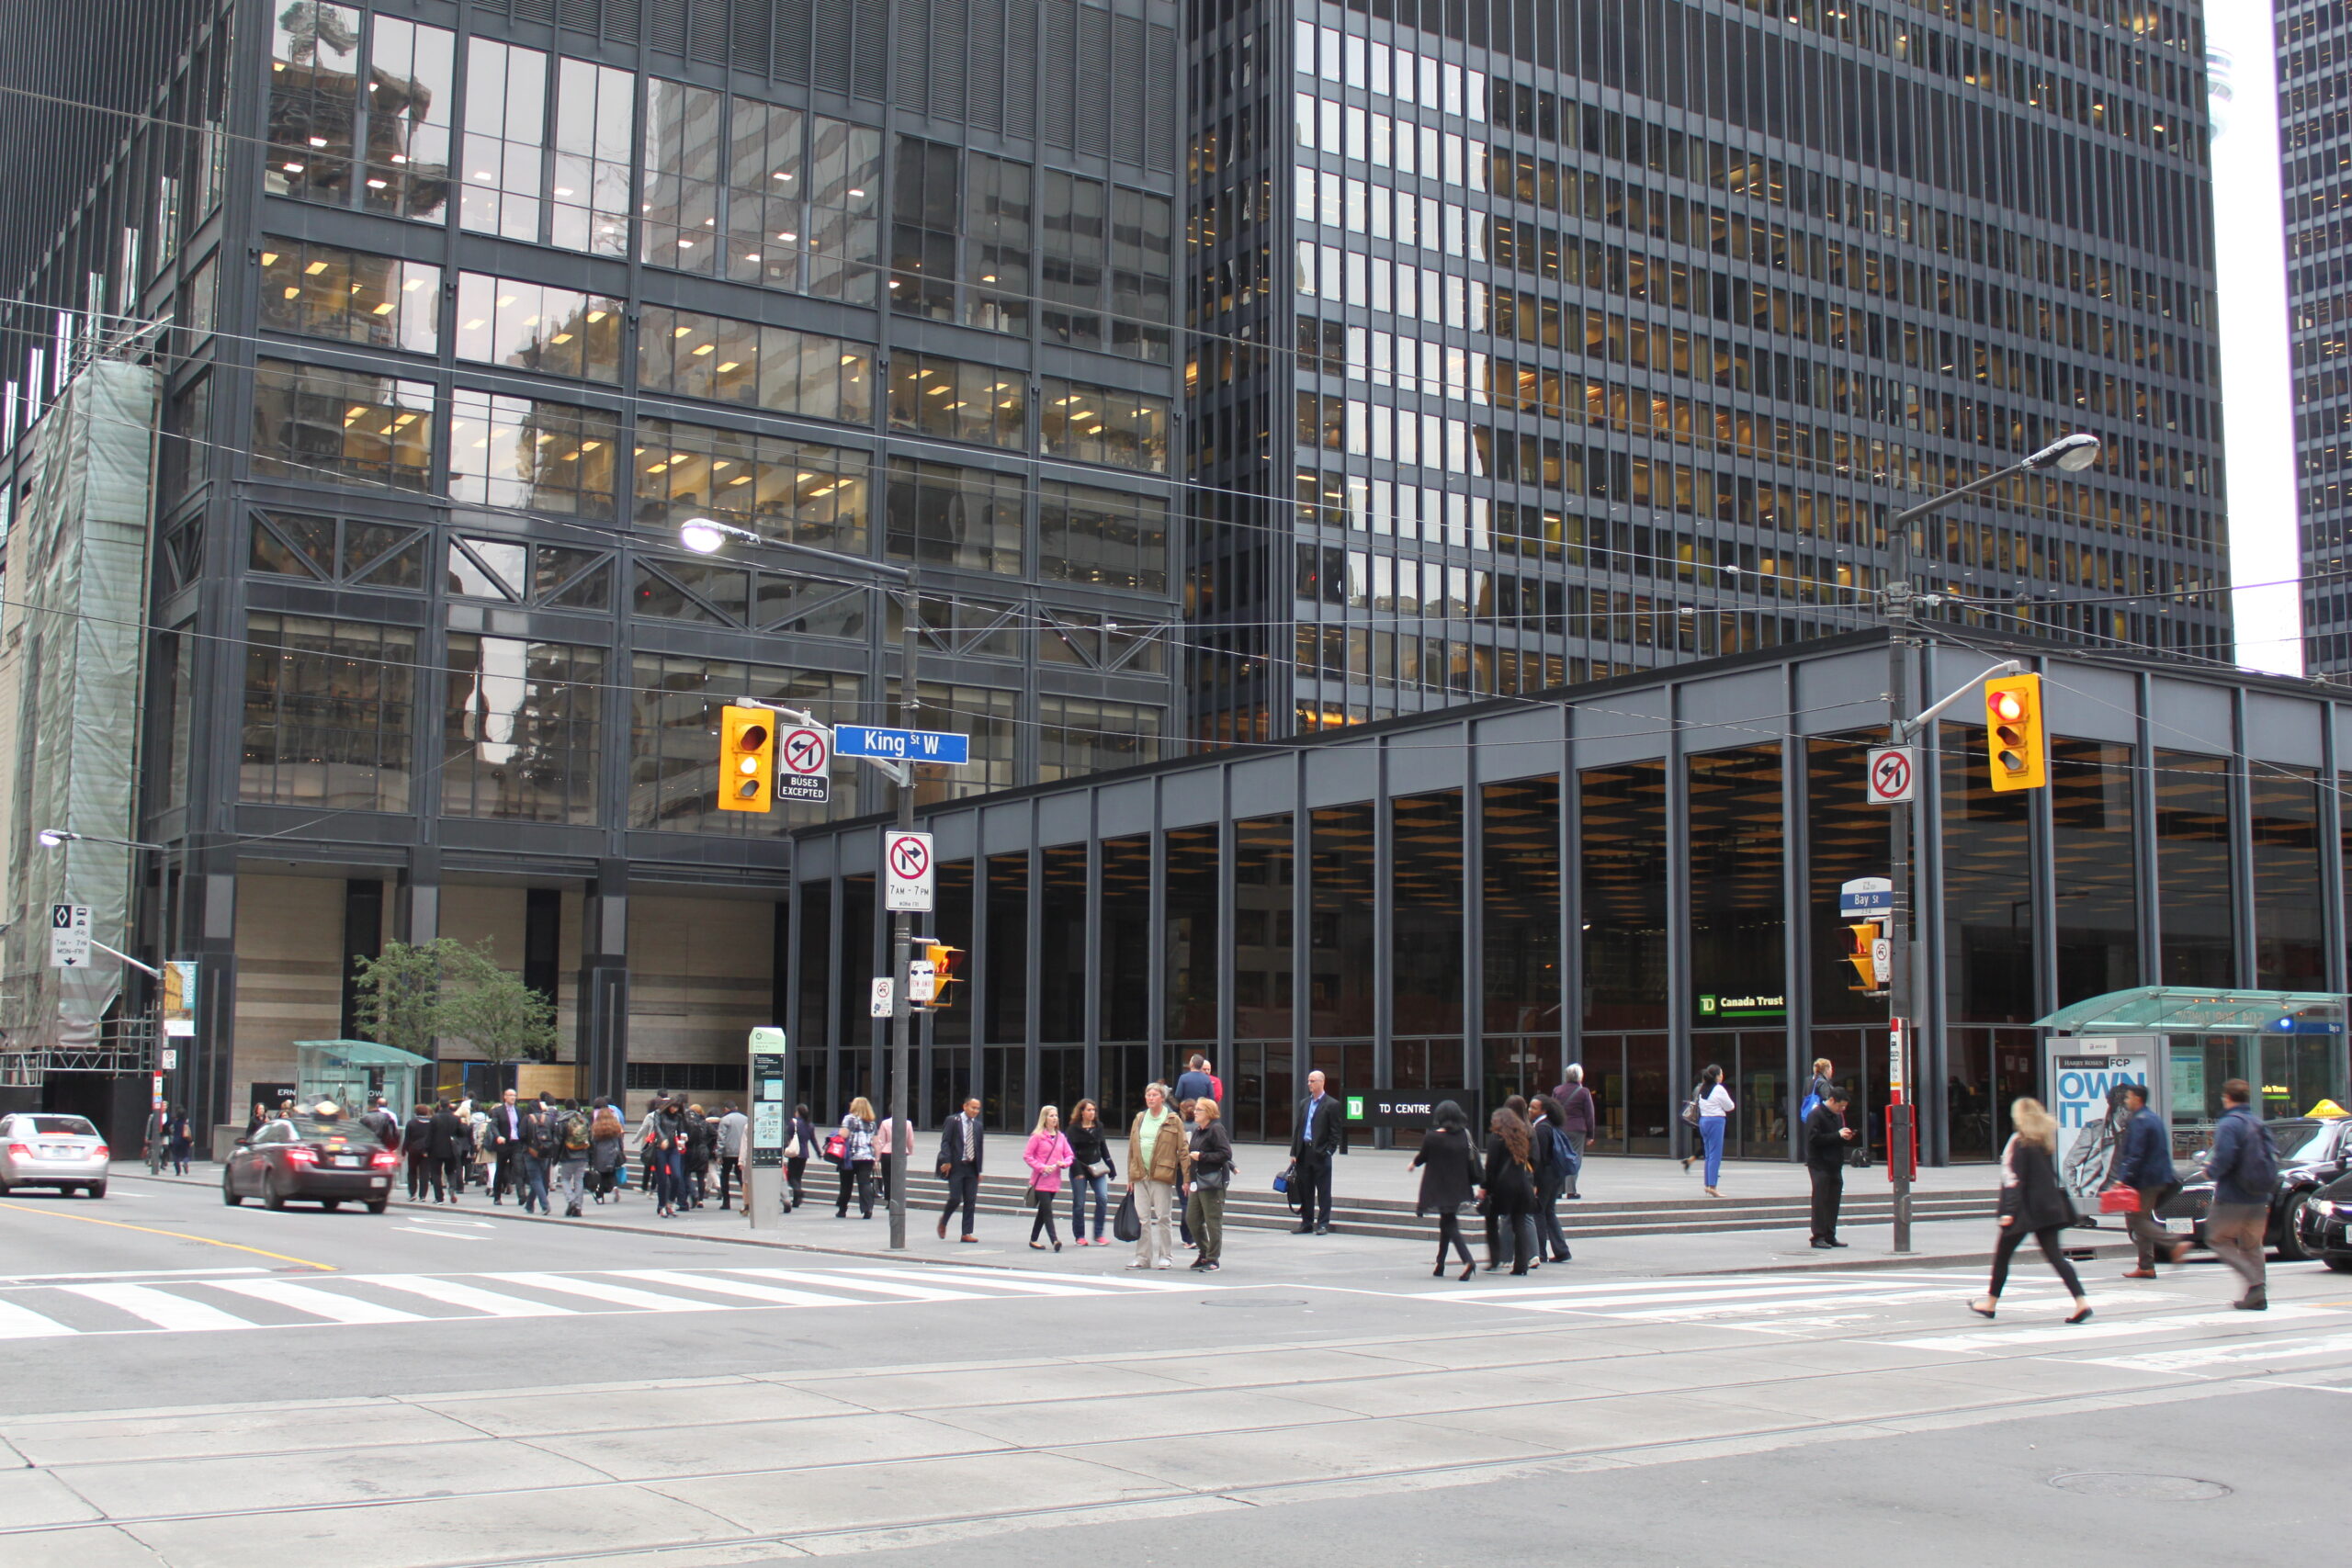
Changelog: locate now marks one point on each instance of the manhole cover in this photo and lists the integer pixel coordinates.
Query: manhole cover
(1247, 1301)
(2152, 1488)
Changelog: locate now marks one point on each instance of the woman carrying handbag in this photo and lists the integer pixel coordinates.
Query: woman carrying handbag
(1209, 1160)
(1048, 1155)
(1449, 1179)
(1092, 1170)
(2034, 1203)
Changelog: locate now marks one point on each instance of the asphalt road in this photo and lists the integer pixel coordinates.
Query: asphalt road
(191, 1383)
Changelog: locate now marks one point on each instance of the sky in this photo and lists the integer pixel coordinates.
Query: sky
(2257, 413)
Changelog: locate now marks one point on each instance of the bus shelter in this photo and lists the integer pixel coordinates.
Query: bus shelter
(348, 1071)
(2183, 1044)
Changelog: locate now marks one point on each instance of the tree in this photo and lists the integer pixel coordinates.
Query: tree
(491, 1010)
(411, 995)
(402, 991)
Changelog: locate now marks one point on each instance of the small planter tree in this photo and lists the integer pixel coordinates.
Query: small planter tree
(411, 995)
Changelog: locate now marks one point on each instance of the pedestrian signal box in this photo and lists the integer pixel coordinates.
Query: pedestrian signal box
(1861, 952)
(746, 759)
(2013, 733)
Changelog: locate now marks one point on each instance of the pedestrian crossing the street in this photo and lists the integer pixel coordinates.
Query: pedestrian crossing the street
(249, 1299)
(1795, 1301)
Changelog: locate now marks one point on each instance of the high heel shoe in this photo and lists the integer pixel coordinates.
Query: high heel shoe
(1438, 1272)
(1058, 1246)
(1468, 1269)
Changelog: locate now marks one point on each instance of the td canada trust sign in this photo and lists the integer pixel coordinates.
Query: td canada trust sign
(1728, 1007)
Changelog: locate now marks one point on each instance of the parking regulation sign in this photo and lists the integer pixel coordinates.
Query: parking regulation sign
(69, 936)
(907, 871)
(804, 764)
(1890, 777)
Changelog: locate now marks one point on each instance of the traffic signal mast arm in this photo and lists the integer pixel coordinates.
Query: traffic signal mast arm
(1908, 731)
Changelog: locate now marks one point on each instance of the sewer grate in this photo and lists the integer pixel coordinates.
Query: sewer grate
(2139, 1487)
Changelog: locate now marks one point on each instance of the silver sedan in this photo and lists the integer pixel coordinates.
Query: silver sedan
(38, 1149)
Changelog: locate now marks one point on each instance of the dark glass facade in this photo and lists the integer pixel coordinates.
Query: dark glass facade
(1540, 343)
(2314, 149)
(1645, 898)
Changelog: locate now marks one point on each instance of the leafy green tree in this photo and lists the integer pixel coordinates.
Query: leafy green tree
(491, 1009)
(402, 991)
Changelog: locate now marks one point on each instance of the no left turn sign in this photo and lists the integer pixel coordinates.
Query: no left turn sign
(804, 764)
(1890, 775)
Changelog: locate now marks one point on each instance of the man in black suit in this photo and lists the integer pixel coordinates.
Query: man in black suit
(448, 1141)
(506, 1148)
(960, 1144)
(1311, 1148)
(1827, 1139)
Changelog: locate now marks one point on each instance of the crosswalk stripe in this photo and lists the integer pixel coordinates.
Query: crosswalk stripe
(774, 1295)
(598, 1291)
(1120, 1282)
(23, 1323)
(450, 1292)
(2097, 1328)
(877, 1287)
(2190, 1359)
(327, 1305)
(161, 1308)
(1675, 1300)
(979, 1277)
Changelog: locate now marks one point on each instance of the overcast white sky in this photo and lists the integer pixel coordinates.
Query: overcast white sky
(2258, 415)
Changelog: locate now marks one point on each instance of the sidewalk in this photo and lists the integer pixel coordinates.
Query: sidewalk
(813, 1229)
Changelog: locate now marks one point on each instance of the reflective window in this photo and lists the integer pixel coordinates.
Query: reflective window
(1343, 960)
(531, 454)
(984, 713)
(684, 162)
(1425, 942)
(594, 113)
(2092, 855)
(1738, 931)
(324, 291)
(2289, 929)
(1005, 953)
(793, 489)
(694, 355)
(519, 728)
(1143, 255)
(2193, 870)
(1519, 920)
(1988, 890)
(407, 111)
(925, 200)
(673, 759)
(342, 127)
(1123, 913)
(519, 573)
(504, 155)
(1262, 926)
(1063, 908)
(1073, 220)
(1095, 424)
(1622, 813)
(314, 422)
(1084, 735)
(955, 401)
(558, 332)
(956, 516)
(381, 555)
(1188, 963)
(998, 227)
(1108, 539)
(329, 714)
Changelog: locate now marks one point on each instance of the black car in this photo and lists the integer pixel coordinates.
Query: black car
(2324, 1230)
(2311, 1153)
(329, 1162)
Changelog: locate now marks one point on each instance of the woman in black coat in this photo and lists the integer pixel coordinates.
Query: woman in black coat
(2033, 1203)
(1449, 1177)
(1509, 1200)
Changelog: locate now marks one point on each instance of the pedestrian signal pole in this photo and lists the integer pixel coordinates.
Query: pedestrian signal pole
(2071, 454)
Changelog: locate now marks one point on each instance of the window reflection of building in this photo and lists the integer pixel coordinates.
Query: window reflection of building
(558, 332)
(531, 454)
(328, 714)
(351, 296)
(520, 729)
(328, 114)
(673, 705)
(314, 422)
(791, 490)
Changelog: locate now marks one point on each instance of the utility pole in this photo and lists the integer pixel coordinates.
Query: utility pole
(902, 922)
(2072, 454)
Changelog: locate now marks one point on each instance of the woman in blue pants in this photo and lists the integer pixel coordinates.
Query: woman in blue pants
(1715, 1104)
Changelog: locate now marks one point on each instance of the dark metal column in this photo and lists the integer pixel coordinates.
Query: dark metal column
(600, 1008)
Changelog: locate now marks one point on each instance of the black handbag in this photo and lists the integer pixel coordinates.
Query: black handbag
(1126, 1225)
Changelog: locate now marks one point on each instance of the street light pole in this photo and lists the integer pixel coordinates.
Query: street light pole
(704, 536)
(2073, 454)
(901, 923)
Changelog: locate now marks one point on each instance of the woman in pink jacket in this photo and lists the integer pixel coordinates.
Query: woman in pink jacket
(1048, 1155)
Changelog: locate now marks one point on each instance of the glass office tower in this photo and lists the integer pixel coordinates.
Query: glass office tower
(2315, 161)
(1538, 343)
(459, 312)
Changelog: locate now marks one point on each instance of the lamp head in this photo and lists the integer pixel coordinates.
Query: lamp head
(701, 535)
(52, 837)
(2071, 453)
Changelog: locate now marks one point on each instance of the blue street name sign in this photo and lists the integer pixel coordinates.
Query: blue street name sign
(1866, 896)
(901, 745)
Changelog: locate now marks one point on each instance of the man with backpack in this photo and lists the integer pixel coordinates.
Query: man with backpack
(2245, 1169)
(573, 1142)
(538, 1154)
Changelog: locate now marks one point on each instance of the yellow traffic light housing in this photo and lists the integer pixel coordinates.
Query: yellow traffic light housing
(1861, 939)
(746, 759)
(2014, 740)
(943, 961)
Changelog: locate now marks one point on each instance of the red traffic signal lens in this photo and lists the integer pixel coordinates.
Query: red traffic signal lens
(751, 737)
(2007, 706)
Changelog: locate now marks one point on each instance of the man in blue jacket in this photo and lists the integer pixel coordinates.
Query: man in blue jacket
(2144, 1164)
(2245, 1169)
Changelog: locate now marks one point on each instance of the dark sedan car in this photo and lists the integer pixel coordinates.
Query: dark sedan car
(328, 1162)
(2324, 1230)
(2311, 1154)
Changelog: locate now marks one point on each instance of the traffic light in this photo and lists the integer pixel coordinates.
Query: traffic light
(943, 961)
(746, 759)
(2013, 735)
(1862, 938)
